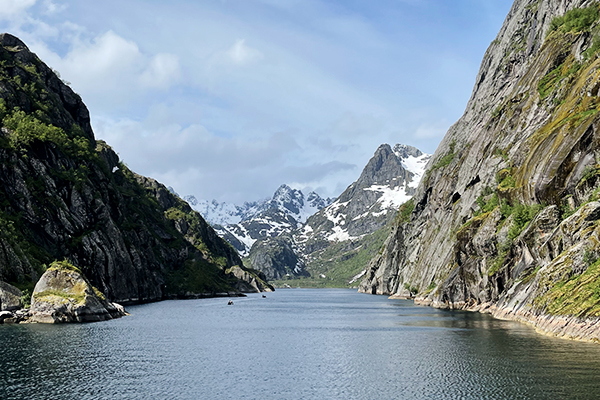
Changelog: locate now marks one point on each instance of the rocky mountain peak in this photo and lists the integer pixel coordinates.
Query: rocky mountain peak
(192, 200)
(287, 198)
(384, 168)
(65, 107)
(314, 200)
(404, 151)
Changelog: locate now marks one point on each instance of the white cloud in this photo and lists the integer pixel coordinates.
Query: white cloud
(53, 8)
(163, 72)
(109, 70)
(108, 57)
(242, 54)
(10, 9)
(196, 161)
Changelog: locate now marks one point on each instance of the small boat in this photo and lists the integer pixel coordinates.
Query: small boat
(264, 296)
(230, 303)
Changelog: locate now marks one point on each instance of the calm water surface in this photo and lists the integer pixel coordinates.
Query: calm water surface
(295, 344)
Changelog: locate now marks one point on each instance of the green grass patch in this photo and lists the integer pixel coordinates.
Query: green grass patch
(577, 296)
(522, 215)
(498, 262)
(63, 266)
(58, 296)
(576, 20)
(405, 211)
(487, 205)
(340, 264)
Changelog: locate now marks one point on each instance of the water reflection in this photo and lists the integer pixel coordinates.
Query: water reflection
(296, 344)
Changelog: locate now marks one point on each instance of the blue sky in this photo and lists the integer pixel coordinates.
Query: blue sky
(228, 99)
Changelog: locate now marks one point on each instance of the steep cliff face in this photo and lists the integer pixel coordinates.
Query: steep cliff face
(63, 195)
(505, 217)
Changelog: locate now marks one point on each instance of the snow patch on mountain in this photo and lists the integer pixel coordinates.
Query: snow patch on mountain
(387, 181)
(390, 198)
(243, 225)
(339, 234)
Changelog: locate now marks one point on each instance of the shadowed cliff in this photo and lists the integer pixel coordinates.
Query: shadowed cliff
(64, 195)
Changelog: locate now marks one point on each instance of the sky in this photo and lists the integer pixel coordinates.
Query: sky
(229, 99)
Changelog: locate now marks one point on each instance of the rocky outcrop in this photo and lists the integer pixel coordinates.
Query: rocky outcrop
(277, 259)
(64, 195)
(63, 295)
(255, 279)
(10, 297)
(492, 226)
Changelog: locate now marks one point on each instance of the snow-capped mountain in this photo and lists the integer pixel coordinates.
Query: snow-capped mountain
(388, 180)
(348, 226)
(243, 225)
(216, 213)
(285, 235)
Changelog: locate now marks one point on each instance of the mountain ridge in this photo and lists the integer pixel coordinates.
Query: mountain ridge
(285, 211)
(341, 228)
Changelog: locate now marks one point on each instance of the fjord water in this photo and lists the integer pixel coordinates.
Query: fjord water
(294, 344)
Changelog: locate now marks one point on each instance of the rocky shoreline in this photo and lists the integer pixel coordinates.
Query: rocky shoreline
(563, 327)
(63, 294)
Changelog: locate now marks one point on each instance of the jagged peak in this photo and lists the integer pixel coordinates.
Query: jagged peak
(285, 189)
(404, 151)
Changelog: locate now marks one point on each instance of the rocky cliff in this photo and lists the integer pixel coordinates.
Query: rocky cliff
(64, 195)
(506, 218)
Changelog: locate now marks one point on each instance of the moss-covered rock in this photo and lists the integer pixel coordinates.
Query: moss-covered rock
(63, 294)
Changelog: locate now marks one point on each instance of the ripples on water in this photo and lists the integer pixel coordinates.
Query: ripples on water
(295, 344)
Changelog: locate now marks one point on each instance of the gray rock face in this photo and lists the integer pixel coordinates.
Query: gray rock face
(10, 297)
(276, 258)
(66, 195)
(526, 142)
(256, 280)
(366, 206)
(63, 295)
(370, 202)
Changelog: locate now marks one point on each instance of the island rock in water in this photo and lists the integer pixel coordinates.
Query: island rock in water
(64, 295)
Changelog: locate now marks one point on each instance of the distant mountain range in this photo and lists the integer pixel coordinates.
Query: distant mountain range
(243, 225)
(287, 235)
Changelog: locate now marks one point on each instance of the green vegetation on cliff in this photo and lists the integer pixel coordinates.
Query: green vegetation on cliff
(576, 295)
(576, 20)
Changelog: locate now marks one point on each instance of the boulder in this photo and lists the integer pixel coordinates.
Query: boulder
(63, 294)
(10, 297)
